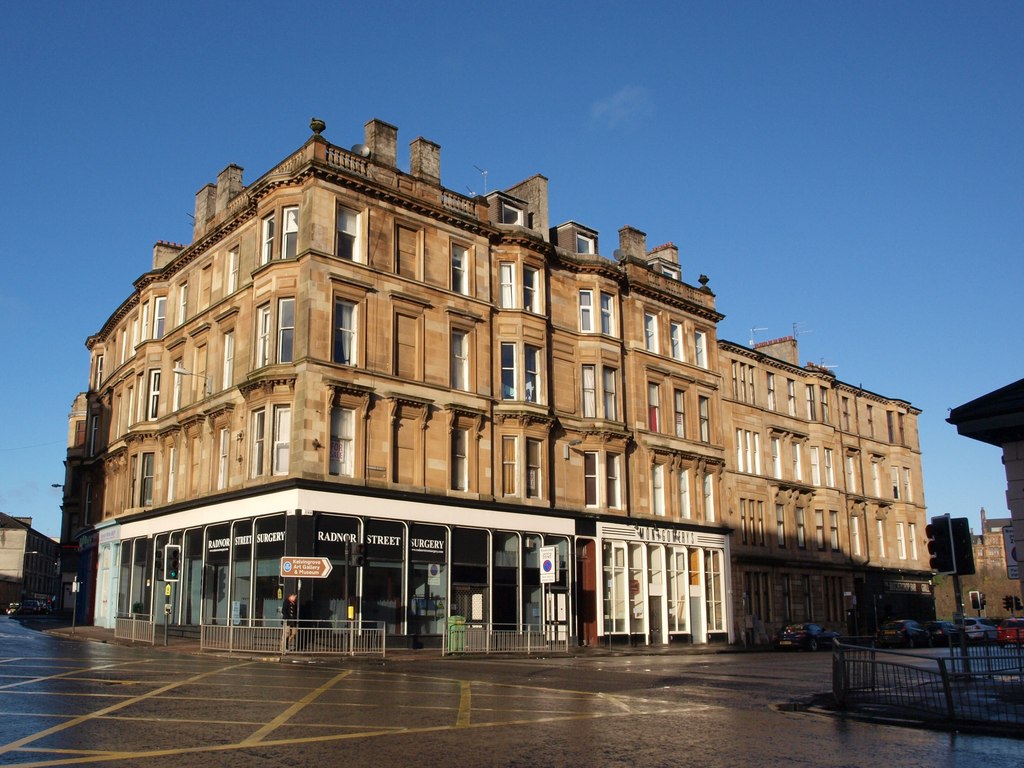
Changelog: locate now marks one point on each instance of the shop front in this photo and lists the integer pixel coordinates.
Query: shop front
(661, 585)
(408, 571)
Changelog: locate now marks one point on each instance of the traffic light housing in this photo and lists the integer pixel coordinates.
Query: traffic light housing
(359, 555)
(1008, 602)
(963, 545)
(976, 600)
(172, 562)
(1017, 605)
(940, 545)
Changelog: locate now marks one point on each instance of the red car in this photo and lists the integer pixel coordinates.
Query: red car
(1010, 631)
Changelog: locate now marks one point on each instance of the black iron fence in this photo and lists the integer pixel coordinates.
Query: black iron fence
(982, 686)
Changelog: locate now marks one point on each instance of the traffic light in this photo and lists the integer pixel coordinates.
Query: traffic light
(940, 545)
(359, 555)
(963, 545)
(172, 562)
(1008, 603)
(1016, 604)
(976, 603)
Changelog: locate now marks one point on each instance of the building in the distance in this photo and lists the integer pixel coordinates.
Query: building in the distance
(29, 563)
(441, 394)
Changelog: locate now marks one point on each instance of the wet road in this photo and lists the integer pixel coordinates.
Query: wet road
(65, 702)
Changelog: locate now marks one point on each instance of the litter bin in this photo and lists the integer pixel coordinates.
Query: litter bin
(456, 634)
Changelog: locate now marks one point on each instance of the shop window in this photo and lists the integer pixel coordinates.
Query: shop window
(382, 596)
(241, 572)
(678, 590)
(616, 587)
(714, 590)
(334, 598)
(505, 567)
(469, 575)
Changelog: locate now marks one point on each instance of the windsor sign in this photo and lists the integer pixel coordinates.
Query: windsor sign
(306, 567)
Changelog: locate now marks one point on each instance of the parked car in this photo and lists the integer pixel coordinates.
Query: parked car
(980, 630)
(904, 632)
(1010, 631)
(806, 637)
(941, 632)
(32, 606)
(12, 608)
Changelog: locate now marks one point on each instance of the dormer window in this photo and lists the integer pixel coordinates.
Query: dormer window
(584, 244)
(510, 214)
(668, 271)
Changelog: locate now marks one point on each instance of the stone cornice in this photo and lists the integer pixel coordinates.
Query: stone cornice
(264, 383)
(521, 418)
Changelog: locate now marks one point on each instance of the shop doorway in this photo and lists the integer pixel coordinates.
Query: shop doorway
(586, 577)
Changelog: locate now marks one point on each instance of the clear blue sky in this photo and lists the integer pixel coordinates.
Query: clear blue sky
(851, 170)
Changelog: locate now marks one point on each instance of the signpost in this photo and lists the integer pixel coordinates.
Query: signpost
(1010, 547)
(548, 565)
(305, 567)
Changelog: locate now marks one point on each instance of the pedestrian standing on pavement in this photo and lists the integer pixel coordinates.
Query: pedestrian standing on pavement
(290, 614)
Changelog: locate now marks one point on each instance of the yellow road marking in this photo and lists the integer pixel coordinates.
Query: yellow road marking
(4, 749)
(465, 703)
(68, 757)
(302, 703)
(61, 675)
(97, 758)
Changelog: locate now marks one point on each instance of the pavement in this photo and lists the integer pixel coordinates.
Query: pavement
(61, 626)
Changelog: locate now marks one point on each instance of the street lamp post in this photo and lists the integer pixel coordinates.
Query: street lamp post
(207, 381)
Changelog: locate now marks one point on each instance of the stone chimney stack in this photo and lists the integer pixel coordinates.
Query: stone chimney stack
(784, 348)
(164, 253)
(229, 184)
(669, 253)
(534, 192)
(382, 139)
(206, 202)
(632, 243)
(425, 160)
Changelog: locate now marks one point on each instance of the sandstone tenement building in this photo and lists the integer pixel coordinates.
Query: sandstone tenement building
(351, 361)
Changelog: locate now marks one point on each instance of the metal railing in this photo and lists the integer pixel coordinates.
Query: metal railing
(337, 638)
(984, 686)
(490, 638)
(136, 627)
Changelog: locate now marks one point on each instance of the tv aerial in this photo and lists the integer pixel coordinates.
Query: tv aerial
(483, 173)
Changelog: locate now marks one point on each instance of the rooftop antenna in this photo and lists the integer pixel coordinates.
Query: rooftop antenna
(752, 332)
(484, 174)
(797, 330)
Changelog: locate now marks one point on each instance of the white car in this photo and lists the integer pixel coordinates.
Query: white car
(980, 630)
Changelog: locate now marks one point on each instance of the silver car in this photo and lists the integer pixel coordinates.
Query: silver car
(980, 630)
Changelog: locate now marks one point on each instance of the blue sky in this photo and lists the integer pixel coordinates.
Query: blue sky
(852, 171)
